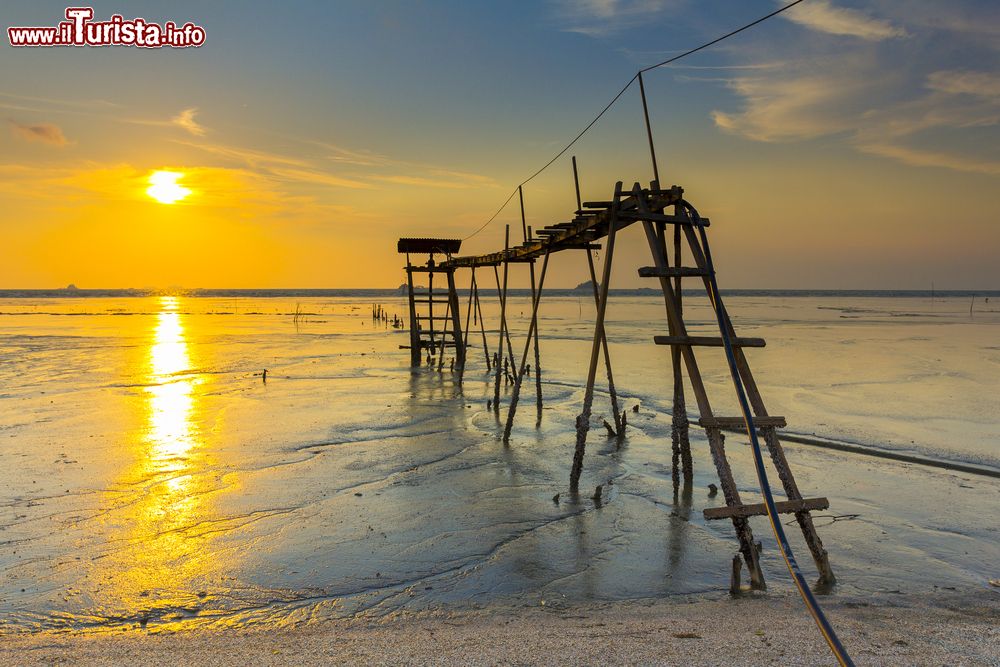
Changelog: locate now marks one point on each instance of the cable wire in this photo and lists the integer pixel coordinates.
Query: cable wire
(725, 326)
(617, 97)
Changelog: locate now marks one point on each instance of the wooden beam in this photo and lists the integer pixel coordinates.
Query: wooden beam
(760, 509)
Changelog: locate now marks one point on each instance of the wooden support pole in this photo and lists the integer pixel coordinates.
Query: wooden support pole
(503, 323)
(506, 333)
(607, 353)
(447, 316)
(430, 310)
(415, 350)
(604, 337)
(456, 323)
(531, 268)
(649, 129)
(482, 325)
(468, 310)
(583, 420)
(532, 328)
(716, 443)
(538, 362)
(679, 425)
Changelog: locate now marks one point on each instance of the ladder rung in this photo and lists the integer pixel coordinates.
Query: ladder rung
(760, 509)
(433, 317)
(442, 343)
(671, 272)
(707, 341)
(738, 422)
(597, 204)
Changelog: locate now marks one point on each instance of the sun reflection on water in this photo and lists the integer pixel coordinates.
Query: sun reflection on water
(163, 552)
(171, 432)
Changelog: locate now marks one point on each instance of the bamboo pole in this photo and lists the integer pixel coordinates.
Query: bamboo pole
(503, 322)
(583, 420)
(604, 337)
(532, 328)
(482, 325)
(531, 268)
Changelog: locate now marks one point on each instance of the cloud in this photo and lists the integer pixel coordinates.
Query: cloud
(809, 105)
(822, 16)
(185, 120)
(979, 84)
(47, 133)
(597, 18)
(924, 158)
(787, 109)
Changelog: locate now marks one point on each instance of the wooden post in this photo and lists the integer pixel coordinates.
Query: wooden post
(503, 322)
(430, 308)
(715, 439)
(468, 310)
(415, 359)
(649, 129)
(536, 298)
(604, 337)
(679, 423)
(531, 268)
(456, 324)
(583, 420)
(506, 334)
(482, 325)
(607, 353)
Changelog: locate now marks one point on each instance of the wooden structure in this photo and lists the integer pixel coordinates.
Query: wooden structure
(430, 332)
(668, 227)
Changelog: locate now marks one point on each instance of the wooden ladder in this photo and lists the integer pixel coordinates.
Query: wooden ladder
(683, 344)
(430, 329)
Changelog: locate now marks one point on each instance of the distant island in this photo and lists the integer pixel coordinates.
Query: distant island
(587, 286)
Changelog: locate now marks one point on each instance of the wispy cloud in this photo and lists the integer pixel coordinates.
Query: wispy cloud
(822, 16)
(814, 105)
(185, 120)
(597, 18)
(874, 93)
(46, 133)
(924, 158)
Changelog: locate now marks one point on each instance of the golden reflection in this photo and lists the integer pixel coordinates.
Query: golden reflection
(161, 521)
(171, 390)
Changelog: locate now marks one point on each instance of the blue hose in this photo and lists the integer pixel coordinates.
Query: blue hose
(829, 634)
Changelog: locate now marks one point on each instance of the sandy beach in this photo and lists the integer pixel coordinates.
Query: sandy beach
(755, 630)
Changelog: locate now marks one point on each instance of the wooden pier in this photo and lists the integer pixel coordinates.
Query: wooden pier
(677, 242)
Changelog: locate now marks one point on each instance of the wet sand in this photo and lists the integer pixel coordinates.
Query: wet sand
(953, 629)
(150, 481)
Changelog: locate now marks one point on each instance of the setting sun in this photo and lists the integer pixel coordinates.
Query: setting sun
(163, 187)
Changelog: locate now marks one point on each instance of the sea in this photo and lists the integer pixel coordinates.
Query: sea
(152, 477)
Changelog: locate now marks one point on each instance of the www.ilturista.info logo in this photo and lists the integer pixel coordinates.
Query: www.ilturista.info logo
(80, 30)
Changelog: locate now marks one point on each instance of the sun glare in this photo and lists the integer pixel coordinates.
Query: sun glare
(163, 187)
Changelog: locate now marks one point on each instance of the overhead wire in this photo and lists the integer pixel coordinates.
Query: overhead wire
(616, 98)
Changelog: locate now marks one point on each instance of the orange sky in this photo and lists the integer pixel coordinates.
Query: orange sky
(845, 147)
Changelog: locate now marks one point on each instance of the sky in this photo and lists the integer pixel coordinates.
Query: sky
(840, 145)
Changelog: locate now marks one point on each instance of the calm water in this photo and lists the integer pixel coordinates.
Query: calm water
(149, 477)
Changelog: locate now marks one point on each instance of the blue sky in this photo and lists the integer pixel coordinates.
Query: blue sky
(855, 143)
